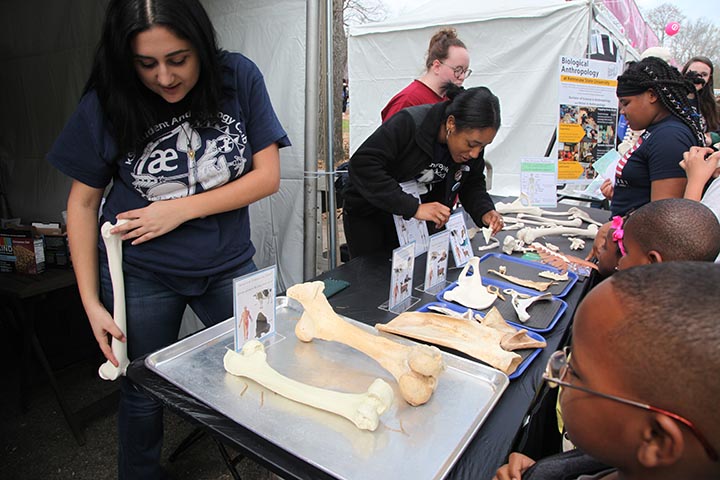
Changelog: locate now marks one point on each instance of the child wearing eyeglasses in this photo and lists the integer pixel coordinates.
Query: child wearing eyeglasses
(639, 392)
(661, 231)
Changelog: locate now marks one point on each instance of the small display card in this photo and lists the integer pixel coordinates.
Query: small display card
(403, 264)
(254, 301)
(459, 240)
(412, 230)
(538, 181)
(437, 260)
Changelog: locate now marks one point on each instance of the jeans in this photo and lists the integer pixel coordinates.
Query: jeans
(154, 314)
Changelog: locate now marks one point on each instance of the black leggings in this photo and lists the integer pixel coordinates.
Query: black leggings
(369, 234)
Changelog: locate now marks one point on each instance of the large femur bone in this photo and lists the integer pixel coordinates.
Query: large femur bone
(362, 409)
(415, 368)
(529, 235)
(113, 245)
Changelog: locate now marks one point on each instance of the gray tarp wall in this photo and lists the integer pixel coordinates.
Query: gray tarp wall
(46, 47)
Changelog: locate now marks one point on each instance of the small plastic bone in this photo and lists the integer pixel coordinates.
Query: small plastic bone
(576, 243)
(493, 243)
(470, 291)
(362, 409)
(416, 368)
(521, 304)
(113, 245)
(529, 235)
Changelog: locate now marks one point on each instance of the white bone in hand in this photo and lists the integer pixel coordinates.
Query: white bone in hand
(113, 245)
(529, 235)
(362, 409)
(470, 291)
(415, 368)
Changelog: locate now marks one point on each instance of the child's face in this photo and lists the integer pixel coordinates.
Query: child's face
(592, 420)
(608, 255)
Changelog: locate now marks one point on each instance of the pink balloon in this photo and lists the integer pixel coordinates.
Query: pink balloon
(672, 28)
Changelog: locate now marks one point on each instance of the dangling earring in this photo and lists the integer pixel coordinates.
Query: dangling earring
(447, 135)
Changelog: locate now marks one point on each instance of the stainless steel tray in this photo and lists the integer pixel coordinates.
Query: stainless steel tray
(411, 442)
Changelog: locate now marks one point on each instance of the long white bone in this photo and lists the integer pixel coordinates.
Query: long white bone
(416, 368)
(534, 219)
(113, 245)
(470, 291)
(529, 235)
(362, 409)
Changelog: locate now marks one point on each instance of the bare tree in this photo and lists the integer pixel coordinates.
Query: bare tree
(699, 37)
(362, 11)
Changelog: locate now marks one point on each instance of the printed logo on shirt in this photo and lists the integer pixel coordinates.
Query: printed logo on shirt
(436, 172)
(184, 161)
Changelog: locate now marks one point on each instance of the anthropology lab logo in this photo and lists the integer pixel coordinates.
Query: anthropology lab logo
(182, 162)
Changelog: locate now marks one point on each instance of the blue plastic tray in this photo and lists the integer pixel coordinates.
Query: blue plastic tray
(527, 354)
(526, 269)
(543, 315)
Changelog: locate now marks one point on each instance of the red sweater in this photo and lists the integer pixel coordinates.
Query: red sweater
(417, 93)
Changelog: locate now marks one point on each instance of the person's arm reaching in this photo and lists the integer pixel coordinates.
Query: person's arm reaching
(161, 217)
(82, 228)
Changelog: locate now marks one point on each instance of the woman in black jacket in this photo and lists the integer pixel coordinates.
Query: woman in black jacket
(438, 150)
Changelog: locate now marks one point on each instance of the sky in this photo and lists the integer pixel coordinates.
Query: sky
(693, 9)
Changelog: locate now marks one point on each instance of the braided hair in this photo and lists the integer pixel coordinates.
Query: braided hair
(671, 87)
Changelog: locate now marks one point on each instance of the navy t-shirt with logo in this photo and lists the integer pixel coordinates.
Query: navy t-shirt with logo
(655, 156)
(178, 160)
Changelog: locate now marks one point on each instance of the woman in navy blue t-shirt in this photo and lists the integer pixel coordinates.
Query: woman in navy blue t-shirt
(186, 135)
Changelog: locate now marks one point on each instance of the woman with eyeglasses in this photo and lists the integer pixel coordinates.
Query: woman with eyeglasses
(699, 70)
(446, 62)
(415, 164)
(186, 136)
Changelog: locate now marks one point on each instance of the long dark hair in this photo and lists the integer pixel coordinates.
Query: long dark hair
(671, 87)
(125, 101)
(475, 107)
(706, 97)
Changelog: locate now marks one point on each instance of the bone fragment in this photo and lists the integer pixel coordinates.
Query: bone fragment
(539, 286)
(113, 246)
(470, 292)
(494, 243)
(534, 219)
(468, 315)
(560, 277)
(416, 368)
(516, 207)
(552, 247)
(487, 234)
(575, 212)
(576, 243)
(362, 409)
(510, 245)
(521, 304)
(560, 261)
(529, 235)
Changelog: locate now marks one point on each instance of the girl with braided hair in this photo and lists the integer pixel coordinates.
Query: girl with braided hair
(654, 97)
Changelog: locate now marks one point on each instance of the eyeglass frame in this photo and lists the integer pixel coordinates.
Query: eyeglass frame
(554, 381)
(458, 71)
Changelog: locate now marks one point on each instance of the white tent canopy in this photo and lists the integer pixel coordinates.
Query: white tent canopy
(47, 48)
(514, 49)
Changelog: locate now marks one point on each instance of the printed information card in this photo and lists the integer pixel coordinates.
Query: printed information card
(403, 265)
(538, 181)
(437, 260)
(254, 302)
(459, 240)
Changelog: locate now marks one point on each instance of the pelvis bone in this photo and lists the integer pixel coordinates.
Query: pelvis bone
(470, 291)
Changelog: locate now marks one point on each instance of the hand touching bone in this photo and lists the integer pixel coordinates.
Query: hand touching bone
(415, 368)
(113, 245)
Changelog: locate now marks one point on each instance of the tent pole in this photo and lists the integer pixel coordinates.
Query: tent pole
(330, 161)
(312, 72)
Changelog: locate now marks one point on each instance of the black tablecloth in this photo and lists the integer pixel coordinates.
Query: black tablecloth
(369, 279)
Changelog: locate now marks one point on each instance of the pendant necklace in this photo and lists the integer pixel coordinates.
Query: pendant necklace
(190, 149)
